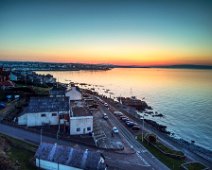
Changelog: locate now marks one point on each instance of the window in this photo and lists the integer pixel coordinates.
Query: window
(54, 114)
(78, 129)
(88, 128)
(43, 115)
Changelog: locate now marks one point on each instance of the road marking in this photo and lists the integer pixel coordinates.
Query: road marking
(137, 153)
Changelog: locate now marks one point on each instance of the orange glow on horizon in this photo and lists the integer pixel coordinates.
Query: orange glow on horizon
(119, 55)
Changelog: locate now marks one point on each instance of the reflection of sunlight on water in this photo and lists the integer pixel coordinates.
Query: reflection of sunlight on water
(183, 96)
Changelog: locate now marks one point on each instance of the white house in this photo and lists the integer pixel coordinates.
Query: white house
(44, 110)
(81, 120)
(74, 94)
(57, 157)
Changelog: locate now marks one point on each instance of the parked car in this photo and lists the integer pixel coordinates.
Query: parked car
(123, 117)
(105, 116)
(2, 105)
(130, 124)
(117, 113)
(135, 128)
(105, 104)
(115, 130)
(126, 119)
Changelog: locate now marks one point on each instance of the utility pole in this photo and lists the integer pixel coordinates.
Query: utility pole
(58, 130)
(41, 138)
(143, 130)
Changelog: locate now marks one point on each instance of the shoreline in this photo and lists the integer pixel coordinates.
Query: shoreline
(179, 141)
(180, 144)
(168, 133)
(197, 151)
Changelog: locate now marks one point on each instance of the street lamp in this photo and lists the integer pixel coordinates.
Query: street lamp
(143, 129)
(41, 138)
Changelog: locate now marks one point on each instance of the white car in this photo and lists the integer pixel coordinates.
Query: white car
(118, 113)
(106, 105)
(105, 116)
(115, 130)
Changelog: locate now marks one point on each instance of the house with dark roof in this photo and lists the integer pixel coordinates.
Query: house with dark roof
(45, 111)
(57, 92)
(53, 156)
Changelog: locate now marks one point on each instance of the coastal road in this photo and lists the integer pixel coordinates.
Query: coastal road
(144, 155)
(114, 160)
(172, 144)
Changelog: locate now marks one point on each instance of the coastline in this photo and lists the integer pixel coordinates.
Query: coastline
(180, 143)
(174, 143)
(101, 89)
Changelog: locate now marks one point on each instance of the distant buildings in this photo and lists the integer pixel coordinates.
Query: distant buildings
(13, 77)
(39, 66)
(5, 82)
(45, 111)
(58, 157)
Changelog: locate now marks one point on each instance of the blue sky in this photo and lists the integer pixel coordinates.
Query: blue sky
(102, 30)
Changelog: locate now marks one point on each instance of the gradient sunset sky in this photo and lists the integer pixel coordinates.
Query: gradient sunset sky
(151, 32)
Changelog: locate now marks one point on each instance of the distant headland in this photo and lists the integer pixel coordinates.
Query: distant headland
(51, 66)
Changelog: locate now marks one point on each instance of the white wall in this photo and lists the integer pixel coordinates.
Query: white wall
(74, 94)
(82, 122)
(35, 119)
(22, 120)
(53, 165)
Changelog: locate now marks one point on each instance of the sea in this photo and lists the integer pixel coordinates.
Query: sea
(183, 96)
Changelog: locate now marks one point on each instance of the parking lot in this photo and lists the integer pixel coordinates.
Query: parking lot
(104, 135)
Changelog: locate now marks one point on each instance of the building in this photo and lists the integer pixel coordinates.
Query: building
(81, 119)
(13, 77)
(4, 75)
(57, 92)
(5, 82)
(57, 157)
(45, 111)
(74, 94)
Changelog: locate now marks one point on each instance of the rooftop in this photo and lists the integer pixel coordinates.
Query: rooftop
(79, 109)
(47, 104)
(57, 91)
(71, 157)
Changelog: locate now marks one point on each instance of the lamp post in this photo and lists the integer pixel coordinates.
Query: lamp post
(41, 131)
(143, 130)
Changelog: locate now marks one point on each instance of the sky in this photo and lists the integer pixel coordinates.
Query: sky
(150, 32)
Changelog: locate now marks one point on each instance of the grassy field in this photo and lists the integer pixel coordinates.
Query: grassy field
(195, 166)
(20, 152)
(24, 158)
(168, 161)
(41, 90)
(168, 150)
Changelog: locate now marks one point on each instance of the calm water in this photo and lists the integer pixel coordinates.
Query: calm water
(183, 96)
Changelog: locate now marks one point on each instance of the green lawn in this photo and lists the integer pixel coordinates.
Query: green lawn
(21, 152)
(195, 166)
(41, 90)
(24, 157)
(169, 162)
(168, 150)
